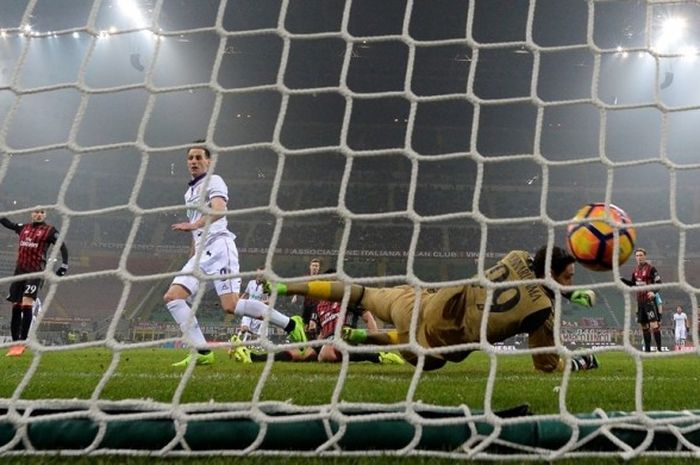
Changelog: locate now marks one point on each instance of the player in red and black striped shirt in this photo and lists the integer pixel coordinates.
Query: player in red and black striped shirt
(35, 238)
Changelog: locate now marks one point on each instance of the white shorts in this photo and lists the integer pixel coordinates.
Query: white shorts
(253, 324)
(218, 257)
(680, 334)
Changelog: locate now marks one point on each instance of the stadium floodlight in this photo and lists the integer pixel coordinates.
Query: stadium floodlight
(131, 10)
(673, 26)
(76, 35)
(671, 35)
(3, 34)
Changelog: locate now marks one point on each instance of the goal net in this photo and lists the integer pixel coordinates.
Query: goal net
(401, 142)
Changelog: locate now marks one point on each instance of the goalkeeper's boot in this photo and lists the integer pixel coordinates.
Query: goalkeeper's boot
(592, 361)
(297, 334)
(584, 362)
(390, 358)
(199, 359)
(16, 351)
(354, 336)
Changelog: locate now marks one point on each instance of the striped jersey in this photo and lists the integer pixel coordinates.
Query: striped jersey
(34, 242)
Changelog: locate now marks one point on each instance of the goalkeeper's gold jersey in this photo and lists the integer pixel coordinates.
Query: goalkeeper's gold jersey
(453, 315)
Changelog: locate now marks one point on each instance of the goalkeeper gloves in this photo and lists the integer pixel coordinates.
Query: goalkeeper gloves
(280, 287)
(585, 297)
(62, 270)
(354, 336)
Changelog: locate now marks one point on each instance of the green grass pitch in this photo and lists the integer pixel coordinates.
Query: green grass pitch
(669, 383)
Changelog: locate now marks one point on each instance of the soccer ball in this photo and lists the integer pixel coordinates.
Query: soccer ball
(592, 242)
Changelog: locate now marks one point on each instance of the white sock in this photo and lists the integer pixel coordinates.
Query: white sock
(36, 310)
(190, 327)
(257, 309)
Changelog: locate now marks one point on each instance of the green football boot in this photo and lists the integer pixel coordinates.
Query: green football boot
(200, 359)
(390, 358)
(297, 334)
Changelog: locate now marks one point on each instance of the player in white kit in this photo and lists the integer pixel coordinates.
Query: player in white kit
(213, 253)
(680, 321)
(250, 327)
(255, 290)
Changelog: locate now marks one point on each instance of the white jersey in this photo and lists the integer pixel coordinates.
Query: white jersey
(681, 322)
(256, 291)
(216, 188)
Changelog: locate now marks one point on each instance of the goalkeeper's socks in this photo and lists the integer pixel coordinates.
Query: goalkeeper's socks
(365, 357)
(16, 322)
(26, 321)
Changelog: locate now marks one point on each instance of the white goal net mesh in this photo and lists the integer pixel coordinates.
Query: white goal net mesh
(401, 142)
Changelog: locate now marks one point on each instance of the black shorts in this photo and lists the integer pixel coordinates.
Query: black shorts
(647, 313)
(24, 288)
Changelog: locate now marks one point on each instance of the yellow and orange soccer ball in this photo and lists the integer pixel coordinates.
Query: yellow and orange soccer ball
(590, 236)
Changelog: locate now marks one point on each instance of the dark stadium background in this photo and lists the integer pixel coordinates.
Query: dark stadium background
(568, 156)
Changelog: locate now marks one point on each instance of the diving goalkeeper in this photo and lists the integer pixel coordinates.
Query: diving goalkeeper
(453, 315)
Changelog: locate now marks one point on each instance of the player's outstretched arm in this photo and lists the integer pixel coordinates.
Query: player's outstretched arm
(63, 268)
(16, 227)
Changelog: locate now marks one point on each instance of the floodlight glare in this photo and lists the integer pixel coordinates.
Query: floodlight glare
(131, 10)
(673, 25)
(672, 32)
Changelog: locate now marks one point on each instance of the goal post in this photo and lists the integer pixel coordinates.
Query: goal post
(407, 142)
